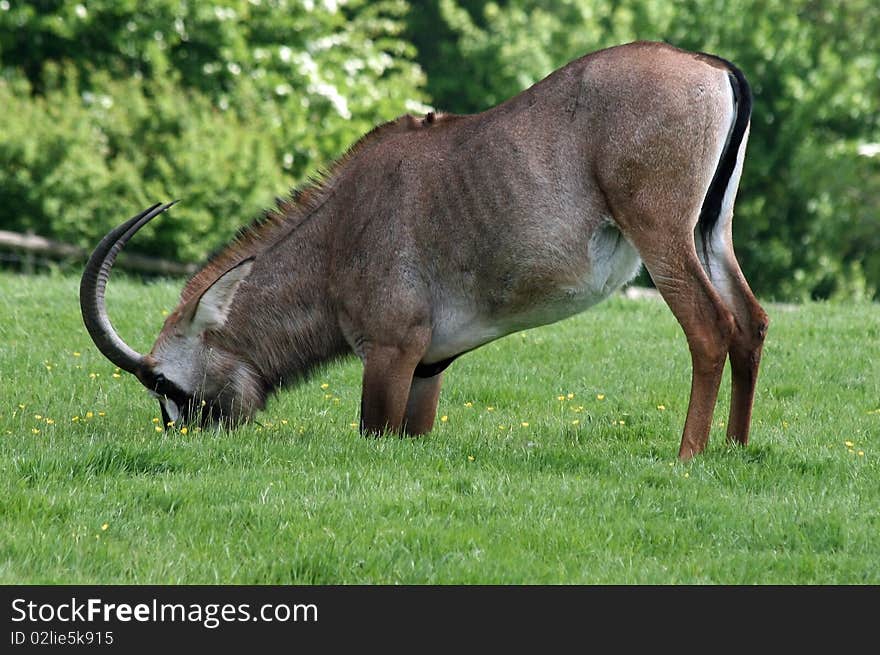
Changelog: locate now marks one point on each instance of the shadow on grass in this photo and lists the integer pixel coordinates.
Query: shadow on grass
(107, 460)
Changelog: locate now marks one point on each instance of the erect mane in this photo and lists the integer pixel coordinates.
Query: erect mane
(291, 212)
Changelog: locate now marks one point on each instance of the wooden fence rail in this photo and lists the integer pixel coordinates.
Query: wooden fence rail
(37, 245)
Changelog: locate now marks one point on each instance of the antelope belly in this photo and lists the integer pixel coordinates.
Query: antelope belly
(460, 326)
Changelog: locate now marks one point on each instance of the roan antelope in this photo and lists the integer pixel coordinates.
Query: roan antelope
(433, 236)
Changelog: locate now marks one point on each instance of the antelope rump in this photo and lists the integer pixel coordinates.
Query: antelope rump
(432, 236)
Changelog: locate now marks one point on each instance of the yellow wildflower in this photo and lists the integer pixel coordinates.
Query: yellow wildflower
(525, 424)
(155, 419)
(661, 407)
(468, 404)
(569, 396)
(848, 444)
(444, 418)
(90, 414)
(600, 396)
(325, 386)
(158, 429)
(183, 430)
(470, 458)
(104, 526)
(576, 422)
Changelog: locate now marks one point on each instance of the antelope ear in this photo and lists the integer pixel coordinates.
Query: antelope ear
(213, 306)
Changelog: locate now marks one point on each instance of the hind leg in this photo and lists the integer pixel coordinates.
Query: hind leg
(668, 251)
(707, 323)
(658, 218)
(748, 338)
(745, 357)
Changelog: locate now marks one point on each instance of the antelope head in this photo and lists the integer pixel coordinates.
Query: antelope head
(191, 372)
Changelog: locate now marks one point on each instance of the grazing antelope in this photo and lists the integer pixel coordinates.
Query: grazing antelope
(433, 236)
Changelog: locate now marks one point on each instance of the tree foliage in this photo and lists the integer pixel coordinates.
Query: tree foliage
(114, 104)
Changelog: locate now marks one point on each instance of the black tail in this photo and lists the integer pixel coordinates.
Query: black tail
(742, 102)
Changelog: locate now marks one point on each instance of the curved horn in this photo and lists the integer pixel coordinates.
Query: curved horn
(94, 283)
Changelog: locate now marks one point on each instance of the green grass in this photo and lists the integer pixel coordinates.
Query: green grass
(519, 494)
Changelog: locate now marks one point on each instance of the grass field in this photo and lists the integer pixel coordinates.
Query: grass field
(554, 462)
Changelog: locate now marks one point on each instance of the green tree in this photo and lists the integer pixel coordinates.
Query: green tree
(72, 165)
(222, 103)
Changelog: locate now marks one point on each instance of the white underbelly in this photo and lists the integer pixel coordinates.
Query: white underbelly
(460, 325)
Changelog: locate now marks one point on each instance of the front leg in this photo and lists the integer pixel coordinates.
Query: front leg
(421, 408)
(388, 376)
